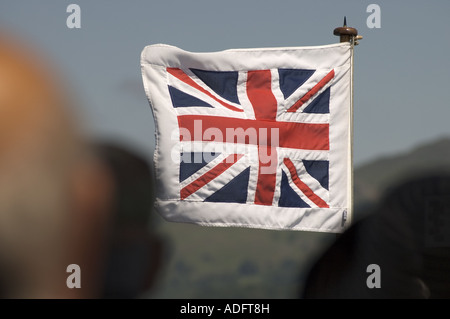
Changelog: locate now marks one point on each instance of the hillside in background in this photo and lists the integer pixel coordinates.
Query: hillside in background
(375, 178)
(204, 262)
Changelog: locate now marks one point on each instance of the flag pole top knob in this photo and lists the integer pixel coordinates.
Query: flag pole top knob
(345, 33)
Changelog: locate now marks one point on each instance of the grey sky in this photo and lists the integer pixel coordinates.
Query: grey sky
(401, 69)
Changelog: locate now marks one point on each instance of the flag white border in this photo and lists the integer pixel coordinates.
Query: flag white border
(154, 61)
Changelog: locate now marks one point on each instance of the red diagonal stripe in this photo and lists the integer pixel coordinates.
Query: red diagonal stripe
(302, 186)
(312, 92)
(305, 136)
(259, 92)
(180, 75)
(209, 176)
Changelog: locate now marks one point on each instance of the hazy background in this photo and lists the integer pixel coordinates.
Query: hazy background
(401, 101)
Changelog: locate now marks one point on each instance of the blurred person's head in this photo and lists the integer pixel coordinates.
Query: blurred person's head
(394, 237)
(63, 202)
(43, 171)
(133, 253)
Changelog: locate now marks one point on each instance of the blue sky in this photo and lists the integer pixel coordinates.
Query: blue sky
(401, 69)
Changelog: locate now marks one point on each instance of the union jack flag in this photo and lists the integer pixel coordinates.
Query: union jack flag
(258, 137)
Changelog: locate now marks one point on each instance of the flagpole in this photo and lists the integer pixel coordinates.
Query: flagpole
(348, 34)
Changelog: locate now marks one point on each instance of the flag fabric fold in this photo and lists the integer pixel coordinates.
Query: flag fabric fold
(255, 138)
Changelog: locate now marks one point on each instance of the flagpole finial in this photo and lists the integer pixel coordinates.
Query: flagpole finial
(347, 34)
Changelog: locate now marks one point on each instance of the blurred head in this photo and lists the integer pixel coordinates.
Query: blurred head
(394, 237)
(133, 253)
(39, 149)
(54, 193)
(63, 202)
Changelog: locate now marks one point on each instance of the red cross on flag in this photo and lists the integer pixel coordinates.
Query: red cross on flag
(252, 137)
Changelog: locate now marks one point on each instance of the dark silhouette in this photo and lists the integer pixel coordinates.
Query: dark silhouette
(398, 236)
(134, 251)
